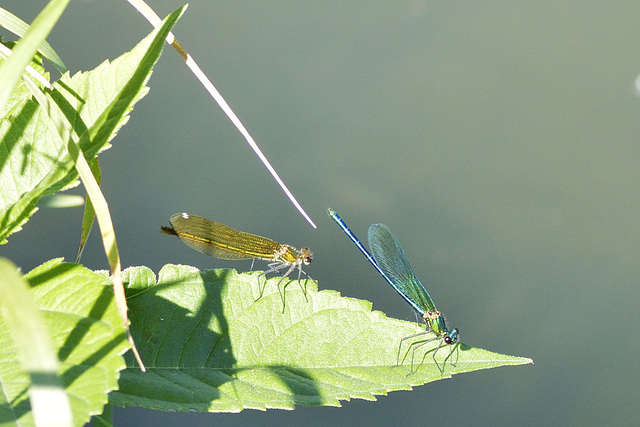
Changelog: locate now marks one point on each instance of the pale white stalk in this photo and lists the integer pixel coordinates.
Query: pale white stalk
(155, 20)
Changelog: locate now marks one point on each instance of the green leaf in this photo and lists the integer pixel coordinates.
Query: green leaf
(86, 333)
(48, 399)
(34, 161)
(210, 346)
(17, 26)
(11, 70)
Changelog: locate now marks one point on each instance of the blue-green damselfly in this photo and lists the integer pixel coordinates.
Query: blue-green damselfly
(391, 262)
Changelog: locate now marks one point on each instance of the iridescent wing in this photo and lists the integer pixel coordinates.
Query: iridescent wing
(391, 259)
(220, 241)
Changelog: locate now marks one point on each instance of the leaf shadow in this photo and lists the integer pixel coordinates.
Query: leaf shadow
(82, 327)
(16, 409)
(13, 135)
(174, 339)
(180, 345)
(302, 385)
(75, 337)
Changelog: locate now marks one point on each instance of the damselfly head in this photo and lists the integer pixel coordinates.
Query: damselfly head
(452, 336)
(306, 255)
